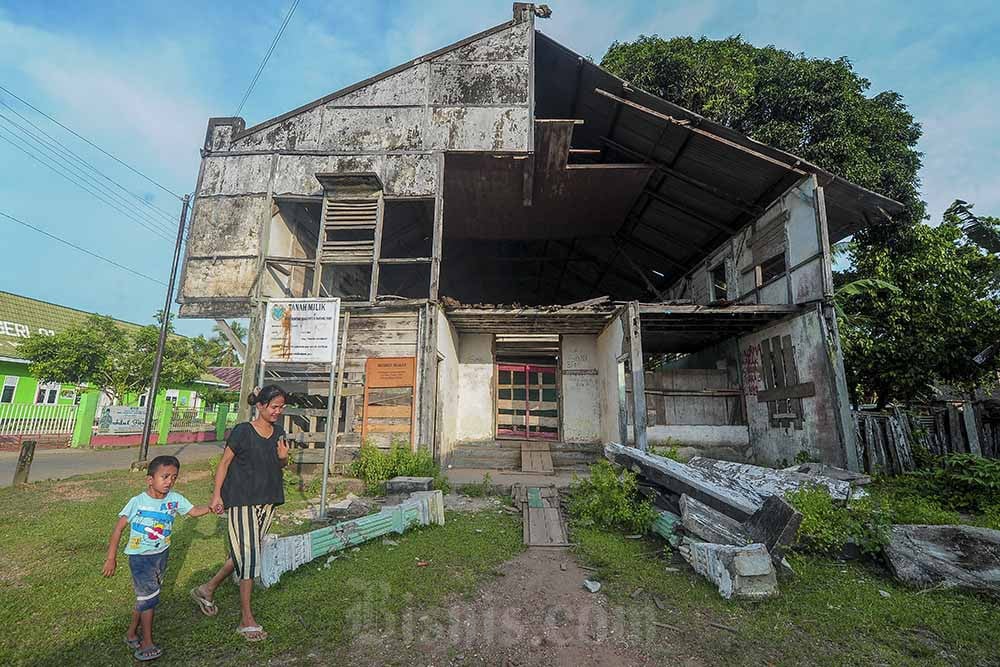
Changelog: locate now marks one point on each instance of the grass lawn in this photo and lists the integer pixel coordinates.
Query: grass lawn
(829, 614)
(57, 609)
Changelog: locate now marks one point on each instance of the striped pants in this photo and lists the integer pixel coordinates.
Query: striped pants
(247, 526)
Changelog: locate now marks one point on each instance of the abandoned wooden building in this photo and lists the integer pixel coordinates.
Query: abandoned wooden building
(642, 251)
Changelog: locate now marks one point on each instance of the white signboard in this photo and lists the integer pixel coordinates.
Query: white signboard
(300, 330)
(122, 419)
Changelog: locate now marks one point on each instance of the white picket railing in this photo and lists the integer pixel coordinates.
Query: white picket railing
(27, 419)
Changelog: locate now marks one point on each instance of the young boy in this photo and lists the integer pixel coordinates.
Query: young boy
(150, 517)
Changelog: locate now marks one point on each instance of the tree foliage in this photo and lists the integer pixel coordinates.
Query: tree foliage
(116, 359)
(815, 108)
(899, 343)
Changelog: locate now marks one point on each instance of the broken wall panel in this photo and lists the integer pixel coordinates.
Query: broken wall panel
(580, 389)
(819, 435)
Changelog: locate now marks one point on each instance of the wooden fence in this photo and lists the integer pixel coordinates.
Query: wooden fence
(886, 439)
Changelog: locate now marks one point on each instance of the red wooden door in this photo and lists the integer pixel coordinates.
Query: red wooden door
(527, 401)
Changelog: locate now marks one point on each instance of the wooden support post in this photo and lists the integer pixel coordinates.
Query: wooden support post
(255, 340)
(638, 381)
(341, 360)
(24, 460)
(437, 234)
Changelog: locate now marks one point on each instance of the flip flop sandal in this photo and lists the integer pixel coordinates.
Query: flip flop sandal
(147, 654)
(133, 643)
(252, 633)
(206, 606)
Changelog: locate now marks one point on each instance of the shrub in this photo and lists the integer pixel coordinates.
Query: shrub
(960, 481)
(374, 466)
(609, 500)
(669, 451)
(828, 526)
(478, 489)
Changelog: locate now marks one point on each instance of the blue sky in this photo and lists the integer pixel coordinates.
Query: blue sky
(141, 80)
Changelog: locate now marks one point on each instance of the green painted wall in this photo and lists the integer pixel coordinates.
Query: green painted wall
(27, 388)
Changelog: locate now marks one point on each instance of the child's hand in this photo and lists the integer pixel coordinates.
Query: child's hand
(109, 567)
(216, 504)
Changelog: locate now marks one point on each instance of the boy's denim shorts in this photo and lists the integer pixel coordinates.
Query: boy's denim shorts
(147, 576)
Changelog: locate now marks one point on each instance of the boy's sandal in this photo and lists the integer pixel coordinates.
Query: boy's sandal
(206, 606)
(252, 633)
(147, 654)
(133, 643)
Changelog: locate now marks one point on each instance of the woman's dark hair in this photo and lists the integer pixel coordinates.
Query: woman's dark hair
(266, 394)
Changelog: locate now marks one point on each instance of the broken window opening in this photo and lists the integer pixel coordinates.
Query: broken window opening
(770, 269)
(720, 282)
(410, 281)
(407, 228)
(350, 282)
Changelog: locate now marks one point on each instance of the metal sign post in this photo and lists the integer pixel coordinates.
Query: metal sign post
(305, 331)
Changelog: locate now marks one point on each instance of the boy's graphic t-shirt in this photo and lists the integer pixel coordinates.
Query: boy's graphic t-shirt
(151, 521)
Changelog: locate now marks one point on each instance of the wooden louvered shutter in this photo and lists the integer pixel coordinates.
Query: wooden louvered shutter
(349, 231)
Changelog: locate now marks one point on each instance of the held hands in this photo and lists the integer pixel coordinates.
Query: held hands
(216, 504)
(109, 566)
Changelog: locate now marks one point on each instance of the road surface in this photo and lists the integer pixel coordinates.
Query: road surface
(61, 463)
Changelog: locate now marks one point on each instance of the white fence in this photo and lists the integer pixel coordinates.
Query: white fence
(27, 419)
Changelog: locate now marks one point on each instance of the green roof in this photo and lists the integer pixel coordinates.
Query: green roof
(22, 317)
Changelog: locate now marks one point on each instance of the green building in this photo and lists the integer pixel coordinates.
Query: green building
(22, 317)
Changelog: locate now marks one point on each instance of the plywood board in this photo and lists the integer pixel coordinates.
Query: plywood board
(536, 457)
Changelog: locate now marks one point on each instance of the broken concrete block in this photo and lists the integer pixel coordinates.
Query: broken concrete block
(964, 557)
(774, 525)
(740, 571)
(592, 586)
(711, 525)
(408, 484)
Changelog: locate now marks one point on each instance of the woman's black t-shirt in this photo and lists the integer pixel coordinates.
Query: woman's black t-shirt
(254, 476)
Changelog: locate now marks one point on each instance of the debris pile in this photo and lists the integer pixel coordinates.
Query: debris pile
(963, 557)
(730, 521)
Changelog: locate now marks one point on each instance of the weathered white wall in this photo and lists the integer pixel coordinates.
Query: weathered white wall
(819, 436)
(699, 435)
(475, 388)
(447, 388)
(609, 348)
(581, 390)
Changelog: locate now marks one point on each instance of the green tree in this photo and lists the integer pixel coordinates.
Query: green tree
(945, 309)
(116, 359)
(815, 108)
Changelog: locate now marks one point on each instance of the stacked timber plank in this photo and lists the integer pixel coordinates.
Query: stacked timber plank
(542, 519)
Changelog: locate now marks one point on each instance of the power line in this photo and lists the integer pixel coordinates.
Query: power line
(137, 215)
(267, 55)
(73, 180)
(91, 143)
(170, 216)
(83, 250)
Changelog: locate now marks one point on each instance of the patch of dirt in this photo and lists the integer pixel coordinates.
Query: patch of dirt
(79, 491)
(456, 502)
(195, 476)
(536, 612)
(12, 574)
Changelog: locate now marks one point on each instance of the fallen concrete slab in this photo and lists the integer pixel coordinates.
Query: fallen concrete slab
(738, 571)
(408, 484)
(824, 470)
(711, 525)
(775, 525)
(709, 487)
(963, 557)
(284, 554)
(761, 482)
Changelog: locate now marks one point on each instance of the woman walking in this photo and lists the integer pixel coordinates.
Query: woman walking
(248, 486)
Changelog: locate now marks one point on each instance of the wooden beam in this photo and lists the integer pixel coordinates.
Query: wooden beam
(642, 274)
(697, 130)
(634, 327)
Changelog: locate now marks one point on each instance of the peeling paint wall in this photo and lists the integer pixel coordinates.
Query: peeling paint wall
(819, 436)
(448, 387)
(609, 348)
(581, 390)
(803, 282)
(473, 97)
(474, 408)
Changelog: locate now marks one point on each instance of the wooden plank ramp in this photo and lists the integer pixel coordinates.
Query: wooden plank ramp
(536, 457)
(542, 519)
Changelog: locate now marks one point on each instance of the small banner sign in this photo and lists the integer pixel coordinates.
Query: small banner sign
(301, 331)
(122, 419)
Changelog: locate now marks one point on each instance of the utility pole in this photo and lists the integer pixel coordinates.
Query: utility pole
(147, 425)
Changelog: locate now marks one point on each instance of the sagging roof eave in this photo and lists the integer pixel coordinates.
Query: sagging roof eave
(890, 206)
(373, 79)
